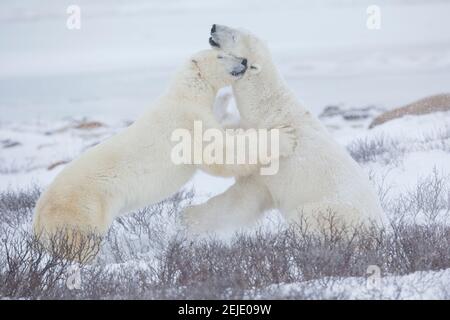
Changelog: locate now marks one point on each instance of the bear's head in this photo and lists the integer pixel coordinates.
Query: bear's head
(241, 43)
(218, 69)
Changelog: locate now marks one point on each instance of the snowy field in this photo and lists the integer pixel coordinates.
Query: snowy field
(62, 91)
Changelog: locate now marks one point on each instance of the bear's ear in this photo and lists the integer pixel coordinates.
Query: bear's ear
(255, 68)
(195, 64)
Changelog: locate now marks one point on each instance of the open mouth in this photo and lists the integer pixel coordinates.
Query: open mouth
(238, 73)
(213, 43)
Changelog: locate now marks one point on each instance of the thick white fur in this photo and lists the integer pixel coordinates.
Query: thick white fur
(134, 168)
(320, 179)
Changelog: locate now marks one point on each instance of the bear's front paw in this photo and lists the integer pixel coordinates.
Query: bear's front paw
(287, 141)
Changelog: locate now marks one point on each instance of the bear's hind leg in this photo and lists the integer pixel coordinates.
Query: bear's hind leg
(241, 205)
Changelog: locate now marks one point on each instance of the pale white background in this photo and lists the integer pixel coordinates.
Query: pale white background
(126, 51)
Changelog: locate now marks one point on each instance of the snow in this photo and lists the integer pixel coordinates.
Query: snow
(52, 78)
(415, 286)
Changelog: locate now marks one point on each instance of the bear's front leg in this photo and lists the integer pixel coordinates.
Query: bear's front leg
(268, 149)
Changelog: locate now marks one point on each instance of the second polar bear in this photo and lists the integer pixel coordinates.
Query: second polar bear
(135, 168)
(319, 179)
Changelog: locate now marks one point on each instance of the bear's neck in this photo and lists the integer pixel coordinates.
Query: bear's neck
(191, 88)
(265, 95)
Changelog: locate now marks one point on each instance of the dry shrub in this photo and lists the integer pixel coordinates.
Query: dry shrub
(146, 256)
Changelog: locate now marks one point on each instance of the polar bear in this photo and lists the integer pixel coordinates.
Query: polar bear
(134, 168)
(317, 182)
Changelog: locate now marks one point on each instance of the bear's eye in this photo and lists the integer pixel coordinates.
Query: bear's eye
(219, 57)
(253, 67)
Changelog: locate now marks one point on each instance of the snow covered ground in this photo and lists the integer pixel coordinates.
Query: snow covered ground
(415, 286)
(62, 91)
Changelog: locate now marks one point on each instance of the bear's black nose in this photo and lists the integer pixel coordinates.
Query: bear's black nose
(244, 62)
(213, 28)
